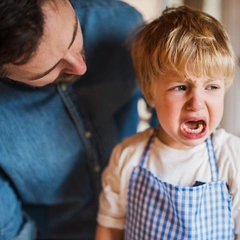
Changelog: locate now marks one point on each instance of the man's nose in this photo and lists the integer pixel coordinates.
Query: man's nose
(195, 102)
(75, 64)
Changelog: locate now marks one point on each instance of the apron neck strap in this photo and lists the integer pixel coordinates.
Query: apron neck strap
(144, 155)
(210, 148)
(212, 158)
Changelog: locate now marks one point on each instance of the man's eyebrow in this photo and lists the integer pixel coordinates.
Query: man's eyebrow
(74, 32)
(71, 43)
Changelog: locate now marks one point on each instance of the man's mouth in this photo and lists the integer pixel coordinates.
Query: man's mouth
(194, 127)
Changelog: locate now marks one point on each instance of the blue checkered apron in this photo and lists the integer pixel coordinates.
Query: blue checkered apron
(159, 210)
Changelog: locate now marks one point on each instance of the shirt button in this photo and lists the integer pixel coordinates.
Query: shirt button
(88, 134)
(97, 169)
(64, 87)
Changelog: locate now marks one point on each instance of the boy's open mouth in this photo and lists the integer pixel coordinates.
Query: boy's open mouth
(194, 126)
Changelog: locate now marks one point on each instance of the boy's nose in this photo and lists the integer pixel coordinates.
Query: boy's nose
(195, 102)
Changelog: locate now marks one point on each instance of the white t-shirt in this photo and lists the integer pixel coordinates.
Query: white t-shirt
(178, 167)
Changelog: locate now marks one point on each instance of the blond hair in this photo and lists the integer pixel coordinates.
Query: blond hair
(180, 39)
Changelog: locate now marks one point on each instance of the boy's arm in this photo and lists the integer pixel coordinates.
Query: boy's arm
(104, 233)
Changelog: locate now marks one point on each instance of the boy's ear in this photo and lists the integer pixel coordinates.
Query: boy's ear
(152, 94)
(151, 103)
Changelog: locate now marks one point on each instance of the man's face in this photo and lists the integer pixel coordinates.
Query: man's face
(60, 55)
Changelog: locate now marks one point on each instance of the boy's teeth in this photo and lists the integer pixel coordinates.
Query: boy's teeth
(194, 130)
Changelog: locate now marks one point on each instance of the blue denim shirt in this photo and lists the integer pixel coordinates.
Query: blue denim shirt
(56, 140)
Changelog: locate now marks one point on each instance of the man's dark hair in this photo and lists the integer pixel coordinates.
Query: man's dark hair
(21, 30)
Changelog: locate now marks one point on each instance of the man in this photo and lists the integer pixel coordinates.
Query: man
(56, 129)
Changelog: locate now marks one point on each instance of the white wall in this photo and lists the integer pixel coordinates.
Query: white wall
(149, 8)
(231, 20)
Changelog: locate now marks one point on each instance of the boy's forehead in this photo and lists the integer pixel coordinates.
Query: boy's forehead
(188, 77)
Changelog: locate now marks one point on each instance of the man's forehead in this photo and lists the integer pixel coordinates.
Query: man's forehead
(55, 3)
(60, 22)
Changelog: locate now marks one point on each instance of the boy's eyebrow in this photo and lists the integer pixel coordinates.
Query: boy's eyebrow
(71, 43)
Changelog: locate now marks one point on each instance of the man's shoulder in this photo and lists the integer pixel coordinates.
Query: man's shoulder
(101, 10)
(94, 4)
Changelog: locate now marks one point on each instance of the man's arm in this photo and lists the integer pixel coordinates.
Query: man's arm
(13, 223)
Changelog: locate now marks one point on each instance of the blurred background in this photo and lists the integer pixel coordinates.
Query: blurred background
(228, 13)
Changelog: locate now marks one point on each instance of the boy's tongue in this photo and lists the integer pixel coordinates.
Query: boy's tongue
(192, 124)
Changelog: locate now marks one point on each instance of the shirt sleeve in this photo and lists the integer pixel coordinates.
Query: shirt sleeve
(28, 230)
(234, 179)
(13, 223)
(235, 192)
(229, 166)
(111, 208)
(115, 180)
